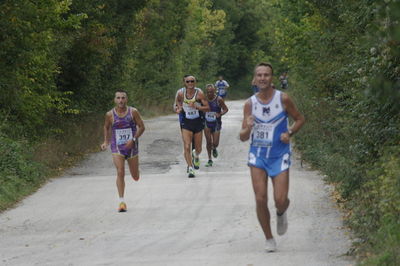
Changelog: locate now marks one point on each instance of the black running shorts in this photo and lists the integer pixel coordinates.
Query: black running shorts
(194, 125)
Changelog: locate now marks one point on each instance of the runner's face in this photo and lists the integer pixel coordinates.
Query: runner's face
(120, 99)
(263, 77)
(190, 82)
(210, 92)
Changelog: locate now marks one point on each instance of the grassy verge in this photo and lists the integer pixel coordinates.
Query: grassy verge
(341, 142)
(24, 166)
(19, 174)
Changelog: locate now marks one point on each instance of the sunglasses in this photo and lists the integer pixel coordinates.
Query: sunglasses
(190, 81)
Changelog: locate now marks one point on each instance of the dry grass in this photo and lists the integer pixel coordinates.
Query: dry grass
(65, 150)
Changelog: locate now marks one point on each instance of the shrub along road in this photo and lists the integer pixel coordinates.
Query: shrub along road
(171, 219)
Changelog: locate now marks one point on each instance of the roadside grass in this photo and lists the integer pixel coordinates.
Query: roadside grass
(25, 167)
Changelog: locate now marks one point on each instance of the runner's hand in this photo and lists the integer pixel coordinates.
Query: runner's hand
(129, 144)
(250, 121)
(104, 146)
(285, 138)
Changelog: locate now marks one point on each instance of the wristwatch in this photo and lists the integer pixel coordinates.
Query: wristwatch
(290, 132)
(134, 139)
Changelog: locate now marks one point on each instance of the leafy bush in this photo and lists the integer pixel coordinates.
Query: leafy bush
(19, 174)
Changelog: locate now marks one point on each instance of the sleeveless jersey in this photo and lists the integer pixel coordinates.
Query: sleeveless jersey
(271, 120)
(214, 108)
(123, 129)
(190, 112)
(221, 85)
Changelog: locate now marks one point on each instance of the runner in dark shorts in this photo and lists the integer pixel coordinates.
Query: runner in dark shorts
(213, 121)
(192, 103)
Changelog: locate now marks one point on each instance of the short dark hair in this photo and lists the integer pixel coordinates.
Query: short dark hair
(264, 64)
(121, 91)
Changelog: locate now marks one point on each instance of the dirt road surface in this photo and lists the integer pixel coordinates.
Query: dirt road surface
(171, 219)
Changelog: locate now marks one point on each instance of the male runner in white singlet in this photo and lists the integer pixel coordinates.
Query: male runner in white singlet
(266, 123)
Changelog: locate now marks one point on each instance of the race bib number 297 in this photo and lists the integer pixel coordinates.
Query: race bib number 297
(122, 136)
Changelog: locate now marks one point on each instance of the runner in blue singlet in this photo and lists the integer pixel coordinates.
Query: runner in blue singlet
(222, 87)
(266, 124)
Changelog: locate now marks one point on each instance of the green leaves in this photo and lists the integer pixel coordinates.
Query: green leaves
(29, 64)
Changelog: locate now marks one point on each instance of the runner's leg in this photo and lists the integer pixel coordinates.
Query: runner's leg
(216, 136)
(208, 134)
(198, 138)
(187, 141)
(134, 167)
(281, 191)
(260, 187)
(119, 162)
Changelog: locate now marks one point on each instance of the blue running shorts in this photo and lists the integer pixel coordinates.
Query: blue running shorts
(272, 166)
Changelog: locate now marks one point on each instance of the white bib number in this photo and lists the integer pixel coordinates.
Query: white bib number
(122, 136)
(263, 135)
(211, 116)
(190, 112)
(221, 91)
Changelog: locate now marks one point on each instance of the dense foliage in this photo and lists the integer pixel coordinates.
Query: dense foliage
(343, 58)
(62, 60)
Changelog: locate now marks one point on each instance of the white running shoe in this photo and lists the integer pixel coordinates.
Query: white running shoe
(282, 223)
(270, 245)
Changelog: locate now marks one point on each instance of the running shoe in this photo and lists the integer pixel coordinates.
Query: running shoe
(282, 223)
(215, 153)
(270, 245)
(195, 160)
(122, 207)
(209, 163)
(191, 172)
(196, 163)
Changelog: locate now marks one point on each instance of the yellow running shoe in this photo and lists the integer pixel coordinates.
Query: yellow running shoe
(122, 207)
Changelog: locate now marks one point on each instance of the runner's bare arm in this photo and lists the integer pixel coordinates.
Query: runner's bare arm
(294, 113)
(247, 123)
(175, 106)
(139, 122)
(223, 106)
(179, 102)
(140, 128)
(205, 107)
(106, 128)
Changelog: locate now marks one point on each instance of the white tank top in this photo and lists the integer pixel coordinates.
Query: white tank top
(271, 120)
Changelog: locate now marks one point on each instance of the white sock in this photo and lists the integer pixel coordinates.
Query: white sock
(121, 199)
